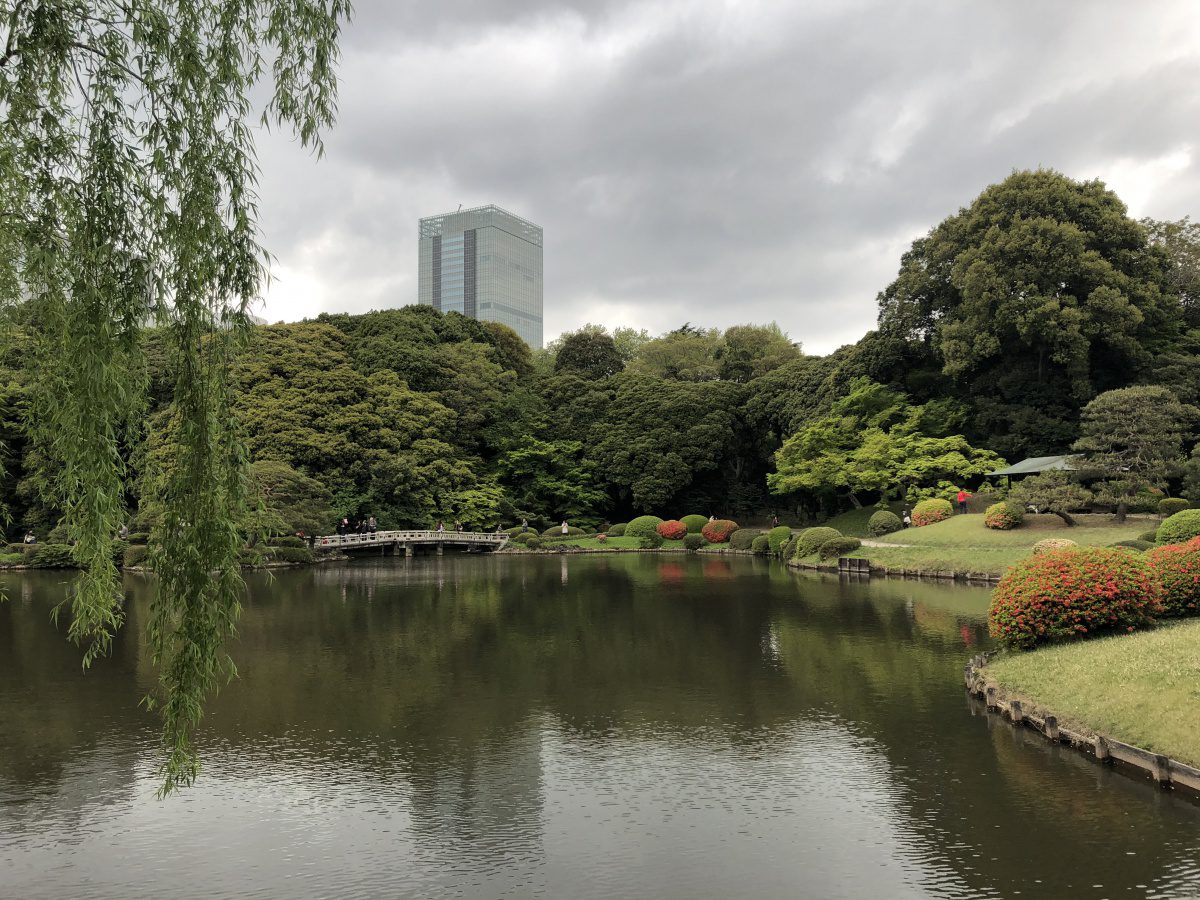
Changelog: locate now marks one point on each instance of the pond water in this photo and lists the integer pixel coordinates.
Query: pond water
(599, 726)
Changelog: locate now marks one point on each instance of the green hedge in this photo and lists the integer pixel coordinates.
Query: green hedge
(761, 545)
(534, 543)
(12, 559)
(1133, 545)
(287, 540)
(556, 531)
(1180, 528)
(694, 523)
(50, 556)
(291, 554)
(651, 541)
(838, 546)
(135, 555)
(1003, 516)
(789, 549)
(929, 511)
(1149, 536)
(777, 537)
(642, 526)
(883, 522)
(1171, 505)
(743, 538)
(693, 542)
(618, 530)
(810, 539)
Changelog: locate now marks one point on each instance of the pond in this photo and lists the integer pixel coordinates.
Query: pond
(576, 726)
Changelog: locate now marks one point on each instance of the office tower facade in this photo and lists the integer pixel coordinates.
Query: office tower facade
(485, 263)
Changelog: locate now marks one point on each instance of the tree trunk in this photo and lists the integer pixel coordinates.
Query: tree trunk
(1065, 517)
(855, 501)
(1122, 509)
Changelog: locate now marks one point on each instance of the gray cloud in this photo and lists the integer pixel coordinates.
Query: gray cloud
(719, 162)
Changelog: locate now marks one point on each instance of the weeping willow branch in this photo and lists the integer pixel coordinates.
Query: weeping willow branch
(127, 189)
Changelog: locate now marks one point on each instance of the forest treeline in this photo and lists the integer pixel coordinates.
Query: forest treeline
(1001, 325)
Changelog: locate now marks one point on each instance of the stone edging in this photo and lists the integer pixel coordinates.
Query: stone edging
(885, 572)
(1022, 711)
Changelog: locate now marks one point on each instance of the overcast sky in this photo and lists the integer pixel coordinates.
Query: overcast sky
(719, 162)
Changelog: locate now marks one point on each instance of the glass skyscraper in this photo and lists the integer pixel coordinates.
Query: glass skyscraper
(485, 263)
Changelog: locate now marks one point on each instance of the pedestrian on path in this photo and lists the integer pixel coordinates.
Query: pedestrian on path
(962, 501)
(906, 519)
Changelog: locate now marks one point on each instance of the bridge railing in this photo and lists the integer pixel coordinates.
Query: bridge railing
(415, 537)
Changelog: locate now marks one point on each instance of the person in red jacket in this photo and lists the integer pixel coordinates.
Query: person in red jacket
(962, 501)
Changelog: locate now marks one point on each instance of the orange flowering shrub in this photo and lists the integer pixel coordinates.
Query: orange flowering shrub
(718, 530)
(1178, 567)
(929, 511)
(672, 530)
(1073, 593)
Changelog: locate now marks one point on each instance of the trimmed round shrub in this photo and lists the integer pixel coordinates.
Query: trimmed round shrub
(1180, 527)
(1178, 568)
(524, 537)
(743, 538)
(618, 530)
(294, 555)
(287, 540)
(761, 545)
(694, 523)
(642, 526)
(602, 537)
(556, 531)
(929, 511)
(693, 542)
(135, 555)
(533, 543)
(1049, 545)
(883, 522)
(838, 546)
(672, 530)
(1150, 536)
(1073, 593)
(1170, 505)
(50, 556)
(651, 541)
(810, 539)
(1133, 545)
(1003, 516)
(789, 549)
(719, 530)
(777, 537)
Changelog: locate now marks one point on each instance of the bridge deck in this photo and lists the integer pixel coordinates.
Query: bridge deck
(411, 538)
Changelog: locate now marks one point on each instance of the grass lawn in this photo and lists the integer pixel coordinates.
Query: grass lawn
(963, 544)
(613, 543)
(1143, 689)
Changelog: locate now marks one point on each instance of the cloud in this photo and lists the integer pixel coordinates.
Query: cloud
(718, 161)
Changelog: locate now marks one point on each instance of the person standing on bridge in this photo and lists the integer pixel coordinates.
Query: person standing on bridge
(372, 525)
(343, 526)
(441, 527)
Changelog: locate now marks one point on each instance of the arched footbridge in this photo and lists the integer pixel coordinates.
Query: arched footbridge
(396, 543)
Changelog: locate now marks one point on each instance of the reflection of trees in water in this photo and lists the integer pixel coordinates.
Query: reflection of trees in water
(429, 673)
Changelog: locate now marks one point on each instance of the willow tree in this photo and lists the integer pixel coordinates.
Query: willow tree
(127, 196)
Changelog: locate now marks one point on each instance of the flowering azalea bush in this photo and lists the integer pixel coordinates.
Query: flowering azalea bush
(1049, 545)
(1003, 516)
(672, 530)
(602, 538)
(718, 530)
(1073, 593)
(1178, 568)
(929, 511)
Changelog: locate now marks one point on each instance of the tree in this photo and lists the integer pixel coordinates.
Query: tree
(1038, 296)
(750, 351)
(127, 184)
(1132, 437)
(552, 479)
(299, 502)
(1057, 491)
(1180, 242)
(685, 354)
(590, 354)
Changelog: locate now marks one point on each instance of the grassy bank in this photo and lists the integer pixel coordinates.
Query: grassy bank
(1141, 688)
(963, 544)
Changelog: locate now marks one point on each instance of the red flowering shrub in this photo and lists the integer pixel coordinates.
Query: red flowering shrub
(1003, 516)
(1072, 593)
(929, 511)
(672, 530)
(1178, 568)
(718, 530)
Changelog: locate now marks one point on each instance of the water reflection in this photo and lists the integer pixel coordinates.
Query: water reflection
(584, 726)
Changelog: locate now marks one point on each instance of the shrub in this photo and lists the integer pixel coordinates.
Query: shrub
(1149, 536)
(718, 530)
(642, 526)
(50, 556)
(1171, 505)
(556, 531)
(298, 555)
(135, 555)
(651, 541)
(139, 537)
(672, 530)
(1049, 545)
(742, 539)
(1003, 516)
(694, 523)
(789, 549)
(117, 550)
(761, 545)
(533, 543)
(287, 540)
(883, 522)
(929, 511)
(810, 539)
(838, 546)
(1133, 545)
(602, 537)
(1178, 569)
(693, 542)
(777, 537)
(12, 559)
(1180, 527)
(1073, 593)
(617, 530)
